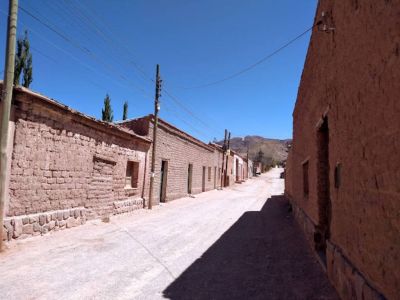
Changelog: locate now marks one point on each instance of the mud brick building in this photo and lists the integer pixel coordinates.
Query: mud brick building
(238, 168)
(250, 168)
(184, 165)
(230, 169)
(343, 171)
(218, 159)
(67, 167)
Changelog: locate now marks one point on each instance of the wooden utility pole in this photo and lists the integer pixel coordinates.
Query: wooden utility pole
(227, 154)
(155, 125)
(223, 158)
(6, 98)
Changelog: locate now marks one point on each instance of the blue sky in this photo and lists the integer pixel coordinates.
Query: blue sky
(195, 42)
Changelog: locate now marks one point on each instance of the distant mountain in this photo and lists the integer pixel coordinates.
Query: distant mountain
(273, 149)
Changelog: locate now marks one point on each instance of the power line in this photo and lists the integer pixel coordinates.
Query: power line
(146, 76)
(82, 48)
(252, 66)
(43, 54)
(90, 53)
(75, 44)
(114, 41)
(112, 38)
(176, 100)
(89, 80)
(175, 114)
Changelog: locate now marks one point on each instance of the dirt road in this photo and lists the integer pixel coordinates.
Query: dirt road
(230, 244)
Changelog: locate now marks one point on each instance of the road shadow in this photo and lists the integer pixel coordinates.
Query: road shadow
(264, 255)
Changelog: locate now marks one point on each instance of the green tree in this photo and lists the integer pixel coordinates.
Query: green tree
(125, 113)
(19, 61)
(23, 62)
(107, 112)
(28, 63)
(28, 72)
(260, 156)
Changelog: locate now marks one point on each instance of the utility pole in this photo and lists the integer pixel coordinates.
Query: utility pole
(227, 154)
(223, 158)
(6, 98)
(155, 125)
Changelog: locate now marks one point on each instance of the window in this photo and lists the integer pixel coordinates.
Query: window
(305, 179)
(132, 174)
(209, 173)
(338, 170)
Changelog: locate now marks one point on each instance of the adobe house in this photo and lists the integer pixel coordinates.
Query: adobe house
(238, 168)
(230, 168)
(250, 168)
(219, 163)
(343, 170)
(67, 167)
(184, 165)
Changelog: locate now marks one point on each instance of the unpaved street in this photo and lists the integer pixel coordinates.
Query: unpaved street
(230, 244)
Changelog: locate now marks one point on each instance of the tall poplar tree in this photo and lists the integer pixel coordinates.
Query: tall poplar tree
(23, 62)
(125, 113)
(107, 112)
(27, 68)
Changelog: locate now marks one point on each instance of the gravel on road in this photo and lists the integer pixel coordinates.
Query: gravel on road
(238, 243)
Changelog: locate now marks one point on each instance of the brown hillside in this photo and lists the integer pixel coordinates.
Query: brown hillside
(274, 150)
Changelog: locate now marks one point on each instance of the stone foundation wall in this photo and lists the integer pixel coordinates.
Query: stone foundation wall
(62, 160)
(67, 167)
(24, 226)
(348, 281)
(305, 223)
(126, 206)
(348, 102)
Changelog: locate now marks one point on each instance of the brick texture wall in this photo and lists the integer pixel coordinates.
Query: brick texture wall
(351, 77)
(179, 150)
(62, 160)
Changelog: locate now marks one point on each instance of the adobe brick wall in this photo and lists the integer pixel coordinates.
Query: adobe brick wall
(62, 160)
(230, 180)
(352, 76)
(179, 150)
(250, 168)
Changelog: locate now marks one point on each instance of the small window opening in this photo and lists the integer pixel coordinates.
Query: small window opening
(305, 179)
(338, 170)
(209, 173)
(132, 174)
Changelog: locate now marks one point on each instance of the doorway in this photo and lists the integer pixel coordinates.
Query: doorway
(189, 181)
(237, 170)
(163, 184)
(322, 233)
(203, 184)
(215, 177)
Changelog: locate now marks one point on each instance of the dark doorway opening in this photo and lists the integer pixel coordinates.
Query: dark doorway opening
(203, 185)
(189, 182)
(237, 170)
(322, 233)
(163, 186)
(215, 177)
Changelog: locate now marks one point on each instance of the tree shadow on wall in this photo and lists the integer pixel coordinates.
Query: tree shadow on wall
(262, 256)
